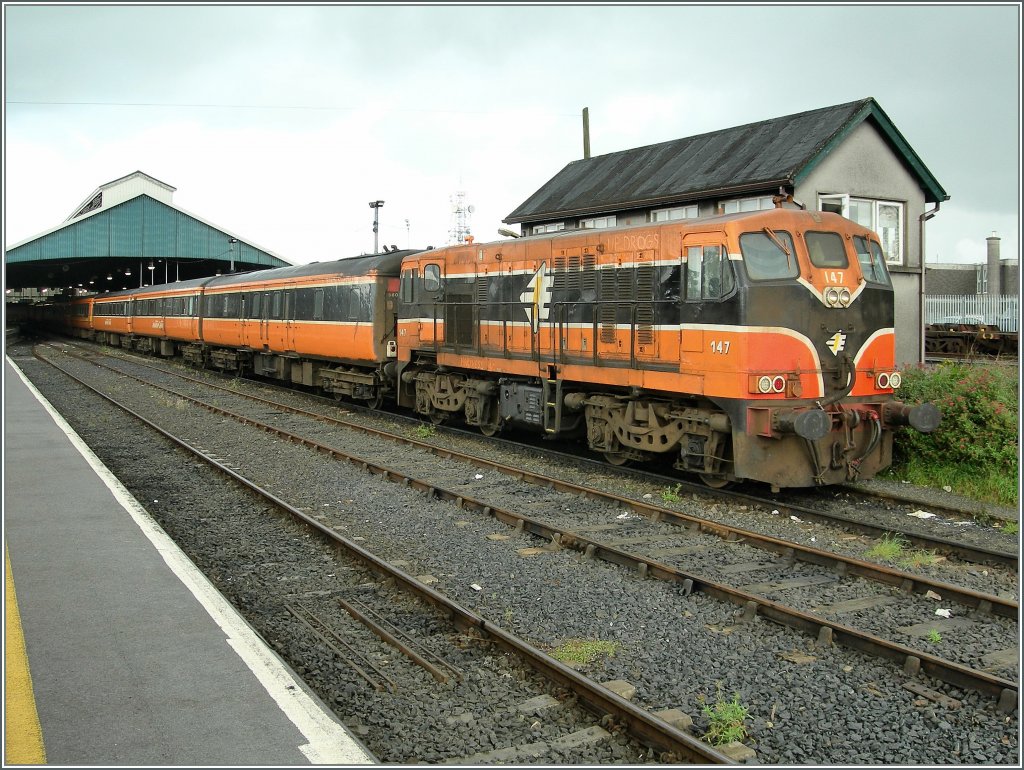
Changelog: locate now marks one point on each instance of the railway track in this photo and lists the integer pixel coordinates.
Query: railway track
(954, 547)
(668, 535)
(609, 708)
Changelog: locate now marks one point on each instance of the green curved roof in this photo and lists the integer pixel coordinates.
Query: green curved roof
(141, 228)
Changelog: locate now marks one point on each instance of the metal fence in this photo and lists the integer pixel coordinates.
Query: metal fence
(998, 310)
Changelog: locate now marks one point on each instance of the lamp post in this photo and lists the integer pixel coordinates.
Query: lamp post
(231, 249)
(375, 205)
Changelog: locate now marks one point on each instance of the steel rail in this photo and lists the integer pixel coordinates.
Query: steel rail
(599, 700)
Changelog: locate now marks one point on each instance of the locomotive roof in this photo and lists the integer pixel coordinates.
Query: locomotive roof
(389, 264)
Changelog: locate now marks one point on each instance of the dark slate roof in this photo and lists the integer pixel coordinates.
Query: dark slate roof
(756, 156)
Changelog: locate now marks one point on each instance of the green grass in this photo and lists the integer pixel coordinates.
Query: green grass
(934, 636)
(584, 651)
(1010, 528)
(919, 559)
(975, 450)
(727, 721)
(889, 548)
(424, 431)
(672, 495)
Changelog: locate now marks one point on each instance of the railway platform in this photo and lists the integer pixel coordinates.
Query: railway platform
(118, 650)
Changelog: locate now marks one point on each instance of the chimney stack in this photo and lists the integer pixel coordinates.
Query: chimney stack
(994, 272)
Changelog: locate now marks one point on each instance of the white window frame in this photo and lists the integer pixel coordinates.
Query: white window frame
(554, 228)
(597, 223)
(736, 205)
(672, 214)
(894, 252)
(982, 278)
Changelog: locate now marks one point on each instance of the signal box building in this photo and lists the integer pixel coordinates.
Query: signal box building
(850, 159)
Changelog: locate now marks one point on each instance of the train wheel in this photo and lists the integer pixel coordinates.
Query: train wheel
(616, 458)
(376, 401)
(491, 430)
(438, 417)
(715, 482)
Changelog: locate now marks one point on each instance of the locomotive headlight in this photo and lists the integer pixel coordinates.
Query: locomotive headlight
(845, 297)
(764, 384)
(895, 380)
(832, 296)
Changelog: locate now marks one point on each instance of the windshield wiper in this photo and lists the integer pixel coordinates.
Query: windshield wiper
(778, 242)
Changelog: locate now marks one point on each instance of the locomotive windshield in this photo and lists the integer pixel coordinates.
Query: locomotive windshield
(768, 255)
(872, 261)
(826, 250)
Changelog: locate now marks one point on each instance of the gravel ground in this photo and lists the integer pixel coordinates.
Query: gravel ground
(825, 705)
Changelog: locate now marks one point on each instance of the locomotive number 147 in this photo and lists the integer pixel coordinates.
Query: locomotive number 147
(720, 346)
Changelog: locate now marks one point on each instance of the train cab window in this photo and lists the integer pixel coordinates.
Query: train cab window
(872, 261)
(826, 250)
(768, 255)
(431, 277)
(709, 273)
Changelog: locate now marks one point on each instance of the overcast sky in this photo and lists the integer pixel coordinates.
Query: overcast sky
(281, 123)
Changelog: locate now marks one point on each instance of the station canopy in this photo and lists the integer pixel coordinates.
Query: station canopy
(126, 234)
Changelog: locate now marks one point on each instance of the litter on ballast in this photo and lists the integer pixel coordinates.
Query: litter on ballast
(922, 515)
(944, 613)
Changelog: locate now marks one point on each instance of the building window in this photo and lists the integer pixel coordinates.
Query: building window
(982, 279)
(538, 229)
(679, 212)
(885, 218)
(596, 223)
(737, 205)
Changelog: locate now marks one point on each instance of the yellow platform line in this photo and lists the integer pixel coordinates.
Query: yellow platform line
(23, 744)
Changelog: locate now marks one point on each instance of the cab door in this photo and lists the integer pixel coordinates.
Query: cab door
(708, 278)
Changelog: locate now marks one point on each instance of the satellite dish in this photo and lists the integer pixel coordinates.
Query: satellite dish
(471, 208)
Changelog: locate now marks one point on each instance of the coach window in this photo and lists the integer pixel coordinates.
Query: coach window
(431, 277)
(318, 304)
(408, 286)
(275, 306)
(826, 250)
(254, 306)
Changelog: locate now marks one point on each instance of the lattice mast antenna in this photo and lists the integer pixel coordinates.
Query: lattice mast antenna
(461, 213)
